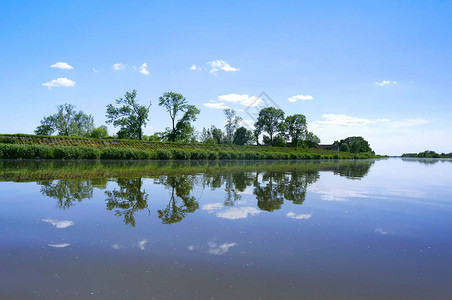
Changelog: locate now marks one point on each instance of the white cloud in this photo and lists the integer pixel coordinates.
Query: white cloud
(142, 244)
(409, 122)
(381, 231)
(191, 247)
(340, 120)
(218, 64)
(249, 190)
(59, 82)
(62, 65)
(57, 223)
(385, 82)
(300, 97)
(344, 120)
(59, 245)
(95, 70)
(195, 68)
(212, 206)
(242, 99)
(219, 250)
(117, 246)
(216, 105)
(119, 67)
(330, 193)
(293, 215)
(143, 69)
(235, 213)
(385, 135)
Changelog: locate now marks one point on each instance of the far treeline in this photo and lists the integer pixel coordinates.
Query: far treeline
(272, 127)
(428, 154)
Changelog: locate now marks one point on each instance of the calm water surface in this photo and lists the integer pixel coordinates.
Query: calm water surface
(246, 230)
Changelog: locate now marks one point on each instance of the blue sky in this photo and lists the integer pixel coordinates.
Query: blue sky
(380, 69)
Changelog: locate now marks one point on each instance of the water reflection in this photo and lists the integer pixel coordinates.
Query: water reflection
(128, 199)
(67, 192)
(426, 161)
(271, 183)
(181, 200)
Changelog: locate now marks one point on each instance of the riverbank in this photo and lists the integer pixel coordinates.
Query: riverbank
(58, 147)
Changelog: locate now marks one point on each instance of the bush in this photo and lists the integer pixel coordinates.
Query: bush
(212, 155)
(253, 155)
(80, 152)
(7, 140)
(164, 154)
(224, 155)
(180, 154)
(124, 153)
(199, 154)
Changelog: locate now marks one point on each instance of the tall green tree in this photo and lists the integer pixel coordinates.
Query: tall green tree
(243, 136)
(100, 132)
(354, 144)
(312, 141)
(67, 121)
(217, 134)
(176, 104)
(130, 117)
(296, 129)
(270, 121)
(232, 122)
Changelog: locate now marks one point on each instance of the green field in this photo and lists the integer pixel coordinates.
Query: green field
(21, 146)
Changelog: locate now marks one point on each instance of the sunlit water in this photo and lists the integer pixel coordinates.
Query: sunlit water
(257, 230)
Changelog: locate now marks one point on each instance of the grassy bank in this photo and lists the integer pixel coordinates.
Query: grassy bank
(57, 147)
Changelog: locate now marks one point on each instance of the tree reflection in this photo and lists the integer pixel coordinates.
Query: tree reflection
(128, 199)
(181, 201)
(67, 192)
(354, 169)
(272, 184)
(296, 185)
(269, 191)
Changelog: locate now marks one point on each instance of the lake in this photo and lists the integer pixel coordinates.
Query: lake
(373, 229)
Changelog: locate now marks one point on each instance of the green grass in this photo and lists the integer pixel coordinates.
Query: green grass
(22, 146)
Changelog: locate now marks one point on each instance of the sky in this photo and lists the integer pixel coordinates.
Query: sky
(377, 69)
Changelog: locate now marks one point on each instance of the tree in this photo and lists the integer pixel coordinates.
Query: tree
(344, 147)
(211, 136)
(67, 121)
(100, 132)
(312, 141)
(131, 117)
(232, 122)
(256, 133)
(271, 121)
(47, 126)
(296, 129)
(175, 104)
(217, 134)
(354, 144)
(243, 136)
(183, 131)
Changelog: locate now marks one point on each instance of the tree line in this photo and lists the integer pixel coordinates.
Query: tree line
(272, 127)
(428, 154)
